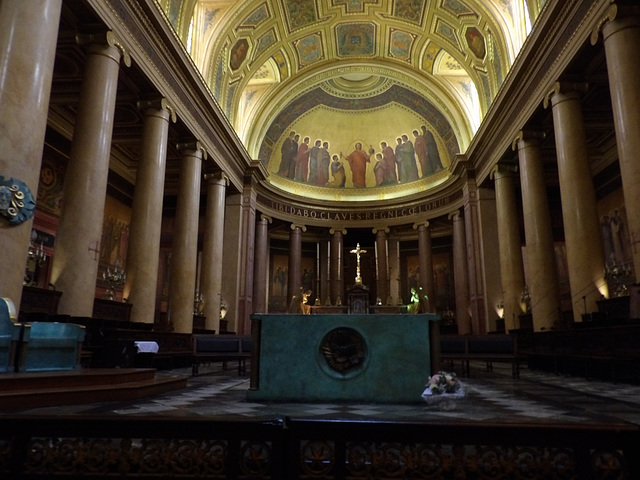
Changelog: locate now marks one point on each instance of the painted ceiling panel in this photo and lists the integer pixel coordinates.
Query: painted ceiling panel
(272, 62)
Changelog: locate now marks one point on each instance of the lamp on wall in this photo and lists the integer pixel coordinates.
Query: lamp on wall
(223, 309)
(500, 309)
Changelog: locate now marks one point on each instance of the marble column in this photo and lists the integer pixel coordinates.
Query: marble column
(542, 274)
(261, 266)
(77, 252)
(585, 254)
(382, 266)
(212, 250)
(294, 280)
(231, 265)
(622, 49)
(143, 250)
(325, 281)
(246, 253)
(425, 258)
(28, 35)
(184, 249)
(336, 261)
(509, 244)
(393, 259)
(461, 273)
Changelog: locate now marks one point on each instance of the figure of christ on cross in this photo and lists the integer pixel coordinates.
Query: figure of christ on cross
(358, 251)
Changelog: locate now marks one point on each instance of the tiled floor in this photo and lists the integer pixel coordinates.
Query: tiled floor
(536, 397)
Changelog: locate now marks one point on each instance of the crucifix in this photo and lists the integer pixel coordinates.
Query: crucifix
(358, 251)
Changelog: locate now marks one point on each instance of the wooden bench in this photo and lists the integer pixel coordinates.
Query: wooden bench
(487, 348)
(224, 348)
(611, 353)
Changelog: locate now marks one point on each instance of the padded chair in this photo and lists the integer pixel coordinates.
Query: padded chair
(51, 346)
(9, 335)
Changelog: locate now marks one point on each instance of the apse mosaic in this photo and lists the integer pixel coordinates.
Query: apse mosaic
(376, 144)
(396, 94)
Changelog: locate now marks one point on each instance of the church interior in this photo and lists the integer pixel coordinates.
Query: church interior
(191, 186)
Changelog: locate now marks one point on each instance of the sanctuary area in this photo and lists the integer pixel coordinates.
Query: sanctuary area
(339, 197)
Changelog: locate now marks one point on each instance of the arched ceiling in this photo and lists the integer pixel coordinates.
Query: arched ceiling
(348, 71)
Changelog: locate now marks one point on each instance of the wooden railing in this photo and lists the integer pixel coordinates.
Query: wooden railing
(288, 449)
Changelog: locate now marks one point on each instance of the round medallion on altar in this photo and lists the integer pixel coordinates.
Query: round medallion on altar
(343, 353)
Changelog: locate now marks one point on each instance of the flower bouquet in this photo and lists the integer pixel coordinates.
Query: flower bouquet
(443, 389)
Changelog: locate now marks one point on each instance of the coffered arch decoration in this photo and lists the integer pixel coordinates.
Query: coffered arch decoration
(264, 59)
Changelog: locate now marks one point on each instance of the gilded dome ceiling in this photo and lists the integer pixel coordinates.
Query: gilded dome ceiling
(353, 72)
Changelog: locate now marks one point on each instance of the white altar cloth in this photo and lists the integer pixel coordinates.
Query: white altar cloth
(146, 347)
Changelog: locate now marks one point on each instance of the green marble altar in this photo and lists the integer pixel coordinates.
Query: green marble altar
(368, 358)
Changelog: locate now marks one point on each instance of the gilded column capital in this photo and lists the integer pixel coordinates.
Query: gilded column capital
(193, 145)
(343, 231)
(628, 16)
(159, 103)
(293, 226)
(524, 136)
(217, 177)
(500, 170)
(265, 218)
(564, 88)
(107, 38)
(455, 215)
(424, 224)
(375, 230)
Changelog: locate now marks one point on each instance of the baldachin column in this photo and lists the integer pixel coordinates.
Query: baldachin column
(212, 249)
(77, 251)
(585, 254)
(146, 213)
(509, 244)
(542, 274)
(184, 250)
(28, 39)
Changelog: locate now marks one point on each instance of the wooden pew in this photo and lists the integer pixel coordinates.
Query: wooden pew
(487, 348)
(210, 348)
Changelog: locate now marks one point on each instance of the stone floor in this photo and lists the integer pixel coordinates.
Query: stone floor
(536, 397)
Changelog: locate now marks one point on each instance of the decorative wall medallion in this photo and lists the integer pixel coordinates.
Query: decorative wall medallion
(343, 352)
(16, 201)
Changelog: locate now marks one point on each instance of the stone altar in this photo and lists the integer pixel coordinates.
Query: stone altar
(369, 358)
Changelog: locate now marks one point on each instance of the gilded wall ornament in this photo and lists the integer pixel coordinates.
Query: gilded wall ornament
(16, 201)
